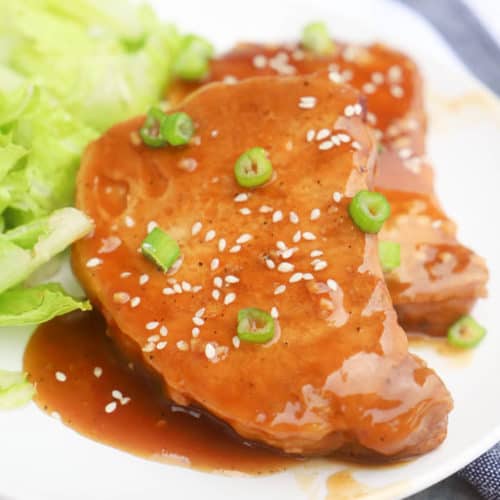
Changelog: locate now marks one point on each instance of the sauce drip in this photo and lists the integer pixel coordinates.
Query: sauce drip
(148, 425)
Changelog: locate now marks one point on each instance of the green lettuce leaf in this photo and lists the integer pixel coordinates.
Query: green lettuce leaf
(15, 390)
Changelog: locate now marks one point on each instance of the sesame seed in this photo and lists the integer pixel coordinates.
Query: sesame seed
(319, 266)
(281, 245)
(168, 291)
(310, 135)
(270, 263)
(214, 133)
(152, 225)
(344, 138)
(210, 235)
(110, 407)
(161, 345)
(336, 141)
(307, 235)
(61, 377)
(356, 145)
(143, 279)
(216, 294)
(186, 286)
(163, 331)
(241, 197)
(265, 209)
(277, 216)
(121, 297)
(337, 197)
(235, 249)
(177, 288)
(279, 290)
(125, 274)
(369, 88)
(125, 401)
(288, 253)
(195, 332)
(307, 102)
(405, 153)
(377, 78)
(394, 73)
(332, 284)
(297, 236)
(200, 312)
(397, 91)
(152, 325)
(198, 321)
(222, 245)
(182, 345)
(274, 312)
(358, 109)
(244, 238)
(295, 277)
(154, 338)
(210, 351)
(196, 228)
(116, 394)
(229, 298)
(316, 253)
(236, 342)
(218, 282)
(326, 145)
(197, 288)
(97, 372)
(307, 277)
(294, 218)
(231, 279)
(94, 262)
(149, 347)
(323, 134)
(349, 110)
(315, 214)
(259, 61)
(129, 222)
(214, 264)
(188, 164)
(135, 302)
(245, 211)
(335, 77)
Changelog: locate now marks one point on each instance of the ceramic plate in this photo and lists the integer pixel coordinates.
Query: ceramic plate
(42, 459)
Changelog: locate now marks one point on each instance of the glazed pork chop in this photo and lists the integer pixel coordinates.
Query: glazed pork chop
(337, 375)
(439, 279)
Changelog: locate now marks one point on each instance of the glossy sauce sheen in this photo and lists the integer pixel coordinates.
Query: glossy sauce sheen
(148, 425)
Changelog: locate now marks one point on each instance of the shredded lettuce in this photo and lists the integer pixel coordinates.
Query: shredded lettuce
(15, 390)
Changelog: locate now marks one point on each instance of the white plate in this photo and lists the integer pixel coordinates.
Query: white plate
(42, 459)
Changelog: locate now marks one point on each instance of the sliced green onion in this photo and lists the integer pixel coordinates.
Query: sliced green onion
(150, 132)
(315, 37)
(253, 168)
(160, 248)
(369, 210)
(466, 333)
(15, 390)
(255, 326)
(389, 253)
(193, 61)
(177, 129)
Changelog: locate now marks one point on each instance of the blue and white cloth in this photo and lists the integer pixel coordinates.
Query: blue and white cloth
(484, 474)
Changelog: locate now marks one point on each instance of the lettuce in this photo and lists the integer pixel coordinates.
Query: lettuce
(15, 390)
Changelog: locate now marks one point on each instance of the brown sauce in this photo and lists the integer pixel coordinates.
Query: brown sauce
(456, 356)
(148, 425)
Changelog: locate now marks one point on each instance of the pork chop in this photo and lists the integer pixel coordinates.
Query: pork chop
(439, 279)
(337, 375)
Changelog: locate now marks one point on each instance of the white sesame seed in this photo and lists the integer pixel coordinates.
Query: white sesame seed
(288, 253)
(397, 91)
(125, 274)
(182, 345)
(315, 261)
(358, 109)
(277, 216)
(94, 262)
(377, 78)
(168, 291)
(315, 214)
(61, 377)
(307, 277)
(332, 284)
(125, 401)
(196, 228)
(177, 288)
(236, 342)
(279, 290)
(310, 135)
(335, 77)
(97, 372)
(218, 282)
(229, 298)
(161, 345)
(394, 73)
(163, 331)
(270, 263)
(326, 145)
(295, 277)
(116, 394)
(214, 264)
(200, 312)
(129, 222)
(336, 141)
(294, 218)
(152, 325)
(216, 294)
(154, 338)
(214, 133)
(186, 286)
(149, 347)
(259, 61)
(110, 407)
(196, 288)
(210, 351)
(265, 209)
(152, 225)
(235, 249)
(323, 134)
(195, 332)
(307, 102)
(245, 211)
(231, 279)
(337, 197)
(241, 197)
(307, 235)
(356, 145)
(143, 279)
(405, 153)
(369, 88)
(198, 321)
(121, 297)
(344, 138)
(222, 245)
(244, 238)
(319, 266)
(210, 235)
(349, 110)
(274, 312)
(316, 253)
(280, 245)
(135, 302)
